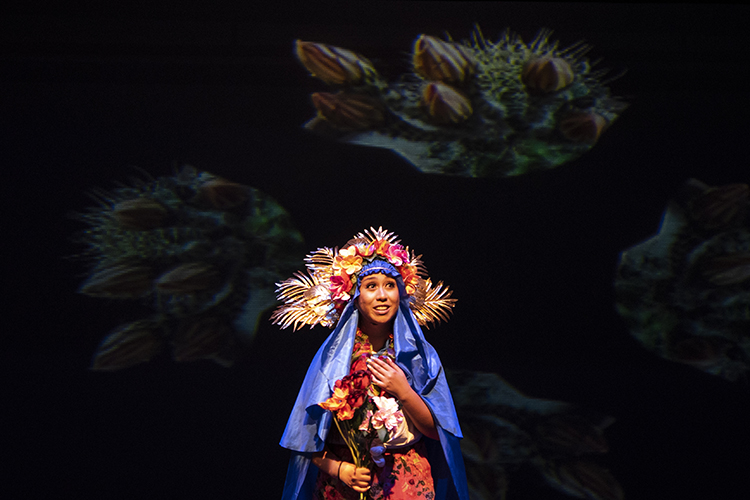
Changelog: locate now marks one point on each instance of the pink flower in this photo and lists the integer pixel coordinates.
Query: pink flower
(397, 255)
(365, 425)
(388, 414)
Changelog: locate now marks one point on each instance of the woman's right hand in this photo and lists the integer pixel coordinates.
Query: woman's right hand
(357, 478)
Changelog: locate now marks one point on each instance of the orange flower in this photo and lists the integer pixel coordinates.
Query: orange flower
(366, 250)
(348, 260)
(345, 413)
(381, 247)
(411, 280)
(337, 400)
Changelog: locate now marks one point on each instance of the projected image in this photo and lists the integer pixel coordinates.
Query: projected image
(201, 252)
(685, 292)
(505, 431)
(473, 108)
(190, 333)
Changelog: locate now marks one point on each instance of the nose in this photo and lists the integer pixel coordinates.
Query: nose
(380, 293)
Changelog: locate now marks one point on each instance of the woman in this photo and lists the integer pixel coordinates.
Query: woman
(374, 292)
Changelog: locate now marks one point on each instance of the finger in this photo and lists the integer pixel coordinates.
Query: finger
(362, 479)
(364, 475)
(383, 361)
(392, 364)
(381, 365)
(374, 362)
(376, 369)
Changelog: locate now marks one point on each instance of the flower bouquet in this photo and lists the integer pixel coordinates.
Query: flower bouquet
(365, 417)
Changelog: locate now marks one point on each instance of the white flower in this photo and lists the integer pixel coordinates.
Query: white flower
(388, 414)
(366, 421)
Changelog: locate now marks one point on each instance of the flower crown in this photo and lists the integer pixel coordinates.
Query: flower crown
(320, 296)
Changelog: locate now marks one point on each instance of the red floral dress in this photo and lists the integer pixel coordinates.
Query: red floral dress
(406, 474)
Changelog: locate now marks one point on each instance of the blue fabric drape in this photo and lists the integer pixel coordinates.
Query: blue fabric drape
(308, 425)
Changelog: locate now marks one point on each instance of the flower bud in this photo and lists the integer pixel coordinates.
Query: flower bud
(139, 214)
(201, 339)
(446, 104)
(126, 346)
(222, 194)
(333, 65)
(347, 111)
(719, 206)
(119, 281)
(583, 127)
(188, 278)
(435, 59)
(547, 74)
(727, 270)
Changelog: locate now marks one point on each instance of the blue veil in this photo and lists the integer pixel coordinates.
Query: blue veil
(308, 425)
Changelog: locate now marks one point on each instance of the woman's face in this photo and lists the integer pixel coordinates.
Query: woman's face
(378, 298)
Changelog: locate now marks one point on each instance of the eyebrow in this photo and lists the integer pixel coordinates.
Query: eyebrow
(372, 277)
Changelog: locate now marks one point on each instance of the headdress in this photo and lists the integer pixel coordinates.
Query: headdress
(332, 276)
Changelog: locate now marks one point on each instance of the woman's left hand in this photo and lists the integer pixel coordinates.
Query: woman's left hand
(387, 375)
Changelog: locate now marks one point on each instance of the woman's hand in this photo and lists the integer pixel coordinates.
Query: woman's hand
(387, 375)
(357, 478)
(391, 378)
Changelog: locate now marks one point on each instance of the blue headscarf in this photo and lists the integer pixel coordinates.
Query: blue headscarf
(308, 425)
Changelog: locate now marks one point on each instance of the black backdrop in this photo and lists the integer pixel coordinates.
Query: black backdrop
(90, 91)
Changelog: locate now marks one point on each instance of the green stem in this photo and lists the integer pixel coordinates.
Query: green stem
(352, 448)
(349, 443)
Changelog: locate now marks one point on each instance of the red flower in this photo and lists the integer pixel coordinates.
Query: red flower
(340, 286)
(381, 246)
(358, 380)
(360, 363)
(356, 400)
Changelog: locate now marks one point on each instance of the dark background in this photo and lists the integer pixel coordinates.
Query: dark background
(88, 92)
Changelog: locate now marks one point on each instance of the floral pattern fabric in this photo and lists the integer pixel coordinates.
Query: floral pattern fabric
(406, 475)
(363, 350)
